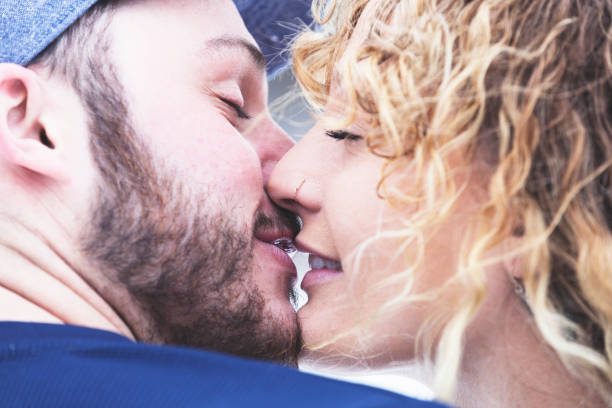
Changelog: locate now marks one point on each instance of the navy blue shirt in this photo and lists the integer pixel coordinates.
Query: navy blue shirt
(43, 365)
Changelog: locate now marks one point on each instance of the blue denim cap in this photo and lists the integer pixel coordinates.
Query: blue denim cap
(27, 27)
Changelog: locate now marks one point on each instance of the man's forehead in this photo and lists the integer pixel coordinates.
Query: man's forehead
(29, 26)
(195, 26)
(164, 26)
(192, 41)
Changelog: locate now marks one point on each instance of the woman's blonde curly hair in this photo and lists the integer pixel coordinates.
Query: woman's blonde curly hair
(523, 86)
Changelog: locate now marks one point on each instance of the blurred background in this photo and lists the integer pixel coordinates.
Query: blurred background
(293, 115)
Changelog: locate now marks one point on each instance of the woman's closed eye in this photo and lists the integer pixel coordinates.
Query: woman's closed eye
(342, 135)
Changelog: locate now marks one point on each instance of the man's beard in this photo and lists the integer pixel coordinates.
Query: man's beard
(183, 261)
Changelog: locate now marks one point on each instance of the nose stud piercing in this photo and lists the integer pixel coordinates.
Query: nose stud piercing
(297, 189)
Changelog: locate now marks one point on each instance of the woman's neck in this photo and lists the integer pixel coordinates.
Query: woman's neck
(507, 364)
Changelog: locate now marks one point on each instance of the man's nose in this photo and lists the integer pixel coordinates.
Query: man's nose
(271, 145)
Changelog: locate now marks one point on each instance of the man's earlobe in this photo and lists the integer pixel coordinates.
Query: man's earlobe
(24, 139)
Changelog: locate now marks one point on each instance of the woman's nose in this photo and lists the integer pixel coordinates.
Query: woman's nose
(294, 184)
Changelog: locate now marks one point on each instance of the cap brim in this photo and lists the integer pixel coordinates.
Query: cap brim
(24, 34)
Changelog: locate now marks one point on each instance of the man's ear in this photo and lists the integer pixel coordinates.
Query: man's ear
(24, 140)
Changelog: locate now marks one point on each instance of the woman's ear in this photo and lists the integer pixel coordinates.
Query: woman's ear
(24, 139)
(512, 255)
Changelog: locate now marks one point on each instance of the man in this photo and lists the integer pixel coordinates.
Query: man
(134, 146)
(134, 151)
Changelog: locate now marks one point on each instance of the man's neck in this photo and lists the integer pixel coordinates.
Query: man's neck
(39, 284)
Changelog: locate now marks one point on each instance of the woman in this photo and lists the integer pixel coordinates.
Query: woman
(455, 194)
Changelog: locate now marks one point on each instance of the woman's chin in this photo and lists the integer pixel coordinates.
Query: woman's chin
(338, 334)
(326, 337)
(336, 343)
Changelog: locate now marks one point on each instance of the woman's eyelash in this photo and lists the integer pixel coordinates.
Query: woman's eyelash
(241, 113)
(342, 135)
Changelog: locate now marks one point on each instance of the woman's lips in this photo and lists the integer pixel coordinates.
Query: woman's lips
(321, 270)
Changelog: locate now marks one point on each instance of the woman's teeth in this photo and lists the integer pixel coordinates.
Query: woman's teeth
(322, 263)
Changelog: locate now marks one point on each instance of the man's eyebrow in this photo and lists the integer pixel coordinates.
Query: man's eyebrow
(231, 42)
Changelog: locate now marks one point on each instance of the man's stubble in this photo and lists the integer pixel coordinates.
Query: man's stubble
(178, 252)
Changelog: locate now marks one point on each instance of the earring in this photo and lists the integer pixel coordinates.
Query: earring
(297, 189)
(519, 288)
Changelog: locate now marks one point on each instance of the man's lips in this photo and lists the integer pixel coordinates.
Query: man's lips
(271, 235)
(279, 243)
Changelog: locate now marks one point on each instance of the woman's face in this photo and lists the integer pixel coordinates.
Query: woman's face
(360, 256)
(348, 232)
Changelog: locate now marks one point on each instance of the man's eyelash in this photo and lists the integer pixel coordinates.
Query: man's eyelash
(241, 113)
(342, 135)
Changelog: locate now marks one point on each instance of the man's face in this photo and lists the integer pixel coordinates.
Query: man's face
(185, 223)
